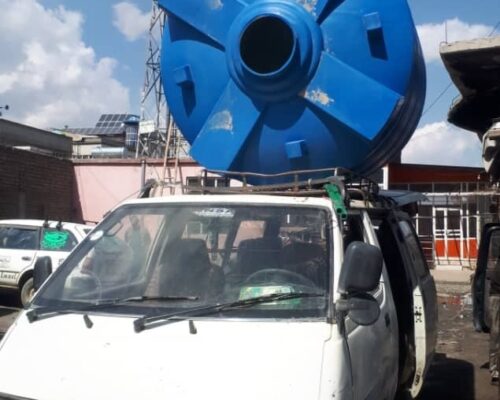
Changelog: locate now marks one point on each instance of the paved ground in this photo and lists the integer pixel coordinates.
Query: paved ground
(8, 311)
(459, 370)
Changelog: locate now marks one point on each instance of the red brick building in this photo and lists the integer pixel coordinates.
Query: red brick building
(36, 186)
(460, 201)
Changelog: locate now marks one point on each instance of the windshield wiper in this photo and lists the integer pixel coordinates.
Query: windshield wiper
(146, 322)
(47, 312)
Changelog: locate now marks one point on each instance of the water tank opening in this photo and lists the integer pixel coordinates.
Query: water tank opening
(267, 45)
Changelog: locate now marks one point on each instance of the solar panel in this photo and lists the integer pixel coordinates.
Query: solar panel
(113, 120)
(108, 124)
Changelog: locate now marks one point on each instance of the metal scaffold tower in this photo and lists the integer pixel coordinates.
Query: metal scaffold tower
(158, 135)
(154, 112)
(156, 122)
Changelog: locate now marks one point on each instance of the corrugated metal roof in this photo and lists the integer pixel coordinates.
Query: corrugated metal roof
(97, 131)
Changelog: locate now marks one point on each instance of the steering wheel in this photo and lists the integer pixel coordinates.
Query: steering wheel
(284, 276)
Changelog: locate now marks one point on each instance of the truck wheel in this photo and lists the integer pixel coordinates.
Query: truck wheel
(27, 292)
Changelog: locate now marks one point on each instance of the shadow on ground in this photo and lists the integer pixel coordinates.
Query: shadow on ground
(449, 378)
(9, 299)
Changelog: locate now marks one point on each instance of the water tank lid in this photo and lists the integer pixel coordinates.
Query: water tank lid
(132, 120)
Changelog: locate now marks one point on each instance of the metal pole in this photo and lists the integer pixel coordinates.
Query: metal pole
(143, 173)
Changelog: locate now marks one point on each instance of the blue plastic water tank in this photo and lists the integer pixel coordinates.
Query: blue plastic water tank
(275, 85)
(131, 132)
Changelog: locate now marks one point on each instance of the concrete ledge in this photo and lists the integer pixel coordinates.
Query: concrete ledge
(452, 276)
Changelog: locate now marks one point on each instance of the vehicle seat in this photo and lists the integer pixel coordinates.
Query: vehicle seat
(307, 259)
(187, 270)
(257, 254)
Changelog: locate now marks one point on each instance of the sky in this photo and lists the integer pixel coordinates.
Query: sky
(65, 62)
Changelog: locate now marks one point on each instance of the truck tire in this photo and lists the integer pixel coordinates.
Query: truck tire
(27, 292)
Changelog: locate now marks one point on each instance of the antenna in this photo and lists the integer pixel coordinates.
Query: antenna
(5, 107)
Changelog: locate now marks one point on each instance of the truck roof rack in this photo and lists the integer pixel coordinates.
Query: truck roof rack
(351, 185)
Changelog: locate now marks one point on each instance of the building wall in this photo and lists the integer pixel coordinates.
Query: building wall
(415, 173)
(103, 184)
(460, 201)
(36, 186)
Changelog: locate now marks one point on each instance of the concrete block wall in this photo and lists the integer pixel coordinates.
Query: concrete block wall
(36, 186)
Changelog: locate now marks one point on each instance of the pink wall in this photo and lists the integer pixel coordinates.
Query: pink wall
(103, 184)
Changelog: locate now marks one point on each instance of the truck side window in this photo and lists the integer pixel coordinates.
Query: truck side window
(493, 264)
(353, 230)
(494, 250)
(411, 243)
(249, 230)
(19, 238)
(57, 240)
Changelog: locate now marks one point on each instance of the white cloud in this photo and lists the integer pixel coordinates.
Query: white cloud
(51, 78)
(452, 30)
(441, 143)
(130, 20)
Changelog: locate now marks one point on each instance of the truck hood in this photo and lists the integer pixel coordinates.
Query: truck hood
(59, 358)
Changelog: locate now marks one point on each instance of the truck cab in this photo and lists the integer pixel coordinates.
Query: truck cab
(236, 295)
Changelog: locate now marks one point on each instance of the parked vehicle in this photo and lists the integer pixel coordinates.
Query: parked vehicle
(315, 290)
(223, 296)
(486, 293)
(23, 241)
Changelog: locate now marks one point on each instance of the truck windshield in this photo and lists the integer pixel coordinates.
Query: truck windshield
(177, 257)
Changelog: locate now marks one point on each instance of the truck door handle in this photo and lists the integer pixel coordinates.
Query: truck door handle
(26, 258)
(387, 320)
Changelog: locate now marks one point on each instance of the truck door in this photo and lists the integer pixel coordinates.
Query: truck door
(414, 295)
(18, 250)
(373, 349)
(423, 298)
(488, 265)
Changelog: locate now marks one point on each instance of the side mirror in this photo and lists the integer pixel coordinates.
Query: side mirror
(43, 269)
(361, 269)
(360, 274)
(363, 309)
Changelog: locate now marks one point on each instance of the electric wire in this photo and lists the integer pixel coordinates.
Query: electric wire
(443, 92)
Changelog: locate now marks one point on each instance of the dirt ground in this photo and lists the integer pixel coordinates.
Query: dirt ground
(460, 367)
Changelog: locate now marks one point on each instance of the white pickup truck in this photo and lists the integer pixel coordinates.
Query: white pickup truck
(243, 296)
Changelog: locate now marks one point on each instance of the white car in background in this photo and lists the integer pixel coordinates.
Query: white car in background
(22, 241)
